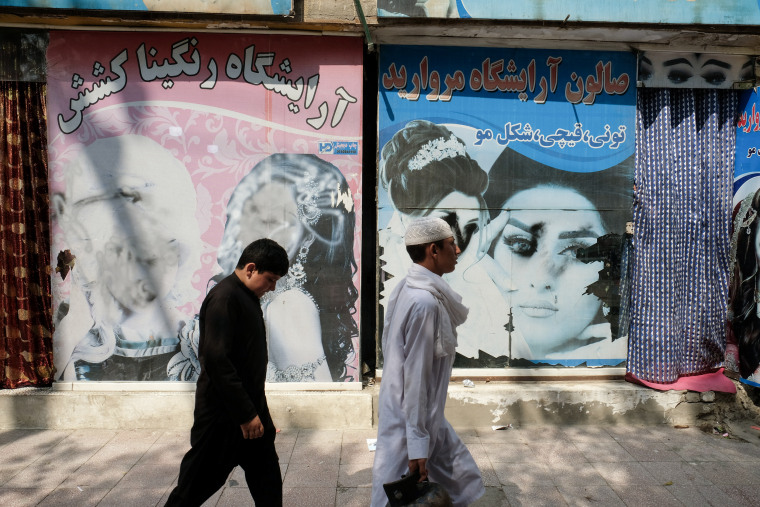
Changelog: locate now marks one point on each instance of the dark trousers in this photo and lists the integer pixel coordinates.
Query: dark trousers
(216, 450)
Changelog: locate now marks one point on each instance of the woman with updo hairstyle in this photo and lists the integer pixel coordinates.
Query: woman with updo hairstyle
(427, 171)
(744, 311)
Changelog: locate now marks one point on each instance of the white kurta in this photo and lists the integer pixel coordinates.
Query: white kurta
(412, 399)
(484, 329)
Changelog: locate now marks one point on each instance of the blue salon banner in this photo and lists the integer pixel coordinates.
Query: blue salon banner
(568, 109)
(528, 155)
(747, 165)
(701, 12)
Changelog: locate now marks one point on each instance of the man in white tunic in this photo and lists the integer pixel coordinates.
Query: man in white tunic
(419, 343)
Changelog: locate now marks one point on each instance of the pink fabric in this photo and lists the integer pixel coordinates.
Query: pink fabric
(714, 381)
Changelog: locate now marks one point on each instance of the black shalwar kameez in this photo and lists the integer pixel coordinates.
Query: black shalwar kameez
(230, 392)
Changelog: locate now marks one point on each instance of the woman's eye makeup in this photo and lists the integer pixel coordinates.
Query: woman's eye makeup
(645, 73)
(520, 244)
(715, 78)
(679, 76)
(572, 249)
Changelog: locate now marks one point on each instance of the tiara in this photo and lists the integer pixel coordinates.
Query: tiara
(437, 149)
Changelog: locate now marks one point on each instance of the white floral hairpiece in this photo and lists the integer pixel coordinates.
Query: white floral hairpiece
(437, 149)
(308, 192)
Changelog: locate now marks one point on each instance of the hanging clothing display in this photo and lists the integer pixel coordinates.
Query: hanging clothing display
(682, 213)
(26, 346)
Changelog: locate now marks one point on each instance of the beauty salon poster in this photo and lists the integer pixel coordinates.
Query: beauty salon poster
(168, 154)
(528, 154)
(682, 12)
(743, 343)
(263, 7)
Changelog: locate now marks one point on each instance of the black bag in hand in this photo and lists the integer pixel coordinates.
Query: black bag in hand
(408, 491)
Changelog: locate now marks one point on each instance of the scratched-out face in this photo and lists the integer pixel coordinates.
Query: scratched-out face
(136, 256)
(271, 213)
(459, 210)
(462, 212)
(539, 247)
(128, 217)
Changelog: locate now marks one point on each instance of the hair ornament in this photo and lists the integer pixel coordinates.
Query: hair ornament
(296, 277)
(296, 272)
(308, 192)
(435, 150)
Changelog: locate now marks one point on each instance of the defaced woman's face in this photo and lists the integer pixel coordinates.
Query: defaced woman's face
(466, 211)
(539, 249)
(271, 213)
(136, 265)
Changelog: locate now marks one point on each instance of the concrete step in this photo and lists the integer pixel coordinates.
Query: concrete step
(581, 402)
(136, 405)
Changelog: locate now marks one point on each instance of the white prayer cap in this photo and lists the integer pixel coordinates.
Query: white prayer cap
(427, 230)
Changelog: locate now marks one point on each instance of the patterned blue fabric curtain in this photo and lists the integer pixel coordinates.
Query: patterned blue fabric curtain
(682, 212)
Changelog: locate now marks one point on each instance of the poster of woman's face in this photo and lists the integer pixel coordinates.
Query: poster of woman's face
(743, 337)
(305, 203)
(531, 164)
(166, 159)
(540, 249)
(557, 252)
(695, 70)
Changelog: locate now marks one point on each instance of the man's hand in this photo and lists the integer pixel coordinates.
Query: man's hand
(419, 464)
(253, 428)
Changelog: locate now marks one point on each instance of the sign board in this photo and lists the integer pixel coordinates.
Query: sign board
(168, 154)
(271, 7)
(529, 156)
(743, 345)
(679, 12)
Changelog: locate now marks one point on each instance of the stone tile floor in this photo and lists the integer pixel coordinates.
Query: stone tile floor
(577, 465)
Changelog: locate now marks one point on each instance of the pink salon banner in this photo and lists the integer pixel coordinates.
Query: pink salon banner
(168, 154)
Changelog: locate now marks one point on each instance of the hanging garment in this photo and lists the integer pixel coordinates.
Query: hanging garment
(682, 213)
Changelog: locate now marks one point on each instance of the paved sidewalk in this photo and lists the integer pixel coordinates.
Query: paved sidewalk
(575, 465)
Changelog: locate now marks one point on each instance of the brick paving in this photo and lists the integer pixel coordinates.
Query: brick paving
(574, 465)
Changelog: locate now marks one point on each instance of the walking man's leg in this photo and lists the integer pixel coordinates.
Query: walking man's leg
(262, 472)
(203, 471)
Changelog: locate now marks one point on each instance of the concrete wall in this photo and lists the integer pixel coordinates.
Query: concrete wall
(168, 406)
(536, 403)
(488, 403)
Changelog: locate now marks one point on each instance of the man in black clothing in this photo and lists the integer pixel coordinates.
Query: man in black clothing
(232, 425)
